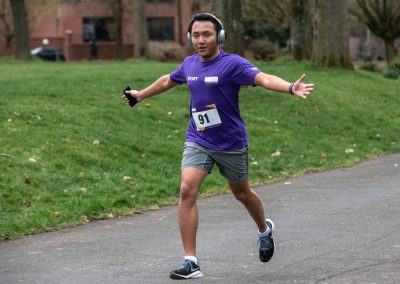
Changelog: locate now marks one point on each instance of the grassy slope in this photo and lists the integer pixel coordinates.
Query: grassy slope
(55, 114)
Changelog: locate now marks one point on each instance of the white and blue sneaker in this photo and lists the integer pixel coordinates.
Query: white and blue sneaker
(187, 270)
(267, 245)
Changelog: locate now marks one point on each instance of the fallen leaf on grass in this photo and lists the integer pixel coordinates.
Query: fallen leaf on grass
(85, 219)
(276, 154)
(129, 180)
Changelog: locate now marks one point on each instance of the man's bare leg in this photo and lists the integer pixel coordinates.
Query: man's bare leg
(191, 180)
(251, 201)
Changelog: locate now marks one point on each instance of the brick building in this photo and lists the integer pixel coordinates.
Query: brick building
(71, 25)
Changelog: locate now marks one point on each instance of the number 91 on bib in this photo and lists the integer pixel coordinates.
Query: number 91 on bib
(206, 117)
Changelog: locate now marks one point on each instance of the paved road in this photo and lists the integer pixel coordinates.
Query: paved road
(340, 226)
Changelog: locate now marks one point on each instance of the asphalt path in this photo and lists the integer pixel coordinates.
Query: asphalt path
(340, 226)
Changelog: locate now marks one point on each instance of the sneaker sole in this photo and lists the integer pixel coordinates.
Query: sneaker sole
(194, 275)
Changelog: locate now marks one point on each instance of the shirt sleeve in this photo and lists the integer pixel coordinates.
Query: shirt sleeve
(244, 72)
(178, 76)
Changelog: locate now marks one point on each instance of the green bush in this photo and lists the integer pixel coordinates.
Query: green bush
(391, 74)
(395, 65)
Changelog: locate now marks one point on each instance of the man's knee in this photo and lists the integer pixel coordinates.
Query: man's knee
(242, 195)
(187, 192)
(241, 190)
(191, 180)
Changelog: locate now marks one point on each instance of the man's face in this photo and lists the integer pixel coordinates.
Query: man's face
(204, 39)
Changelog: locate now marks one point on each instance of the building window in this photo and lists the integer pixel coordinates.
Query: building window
(161, 29)
(99, 29)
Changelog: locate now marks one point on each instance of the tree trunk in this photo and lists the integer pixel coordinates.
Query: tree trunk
(141, 38)
(331, 34)
(230, 14)
(22, 50)
(390, 50)
(5, 19)
(118, 14)
(301, 29)
(179, 14)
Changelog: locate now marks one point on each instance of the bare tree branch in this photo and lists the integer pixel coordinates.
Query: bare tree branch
(382, 17)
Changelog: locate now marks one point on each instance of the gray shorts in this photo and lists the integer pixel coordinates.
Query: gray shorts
(233, 165)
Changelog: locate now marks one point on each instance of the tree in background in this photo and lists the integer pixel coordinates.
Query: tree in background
(178, 4)
(331, 34)
(117, 9)
(8, 28)
(230, 13)
(6, 20)
(301, 29)
(22, 50)
(382, 17)
(118, 12)
(141, 38)
(267, 19)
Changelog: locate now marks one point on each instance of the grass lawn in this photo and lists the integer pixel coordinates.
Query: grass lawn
(72, 151)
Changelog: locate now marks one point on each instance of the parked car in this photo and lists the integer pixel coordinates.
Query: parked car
(48, 53)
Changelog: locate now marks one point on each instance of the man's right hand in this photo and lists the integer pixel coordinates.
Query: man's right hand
(134, 94)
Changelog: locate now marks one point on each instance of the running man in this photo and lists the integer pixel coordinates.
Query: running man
(216, 132)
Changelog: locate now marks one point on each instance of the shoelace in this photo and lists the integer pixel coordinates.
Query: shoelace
(265, 242)
(185, 265)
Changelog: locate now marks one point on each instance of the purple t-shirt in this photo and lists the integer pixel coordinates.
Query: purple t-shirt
(214, 99)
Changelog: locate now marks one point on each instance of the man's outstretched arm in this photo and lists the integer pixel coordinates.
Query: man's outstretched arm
(162, 84)
(277, 84)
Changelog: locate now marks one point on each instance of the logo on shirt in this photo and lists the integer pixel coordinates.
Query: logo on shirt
(191, 78)
(211, 80)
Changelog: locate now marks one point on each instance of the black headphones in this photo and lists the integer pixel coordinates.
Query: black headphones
(208, 17)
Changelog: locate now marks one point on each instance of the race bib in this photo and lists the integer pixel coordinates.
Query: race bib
(206, 117)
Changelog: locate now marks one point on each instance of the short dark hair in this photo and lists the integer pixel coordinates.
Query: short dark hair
(206, 17)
